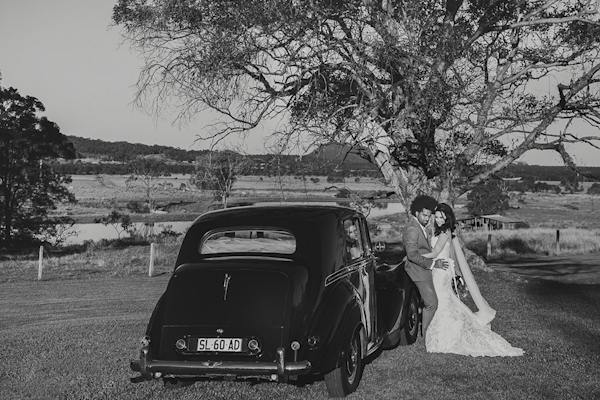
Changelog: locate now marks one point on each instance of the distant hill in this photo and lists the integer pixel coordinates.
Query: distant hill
(335, 156)
(123, 151)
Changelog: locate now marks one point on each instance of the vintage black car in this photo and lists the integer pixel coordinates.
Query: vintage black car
(278, 292)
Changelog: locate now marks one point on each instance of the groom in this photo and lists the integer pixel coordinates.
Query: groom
(418, 267)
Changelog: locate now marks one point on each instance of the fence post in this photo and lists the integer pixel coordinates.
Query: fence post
(40, 263)
(151, 266)
(557, 242)
(489, 246)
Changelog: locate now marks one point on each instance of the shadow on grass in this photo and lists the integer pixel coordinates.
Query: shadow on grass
(584, 268)
(572, 310)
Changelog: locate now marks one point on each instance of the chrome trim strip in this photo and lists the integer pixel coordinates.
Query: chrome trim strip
(226, 279)
(246, 257)
(346, 271)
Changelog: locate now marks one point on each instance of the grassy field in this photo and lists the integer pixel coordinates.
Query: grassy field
(73, 338)
(99, 194)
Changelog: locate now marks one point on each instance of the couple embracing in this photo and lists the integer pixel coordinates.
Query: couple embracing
(435, 264)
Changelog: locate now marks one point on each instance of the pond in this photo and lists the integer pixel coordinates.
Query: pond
(97, 232)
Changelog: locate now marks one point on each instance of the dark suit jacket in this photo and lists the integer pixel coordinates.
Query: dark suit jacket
(416, 243)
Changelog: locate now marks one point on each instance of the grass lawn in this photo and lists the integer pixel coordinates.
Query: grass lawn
(73, 338)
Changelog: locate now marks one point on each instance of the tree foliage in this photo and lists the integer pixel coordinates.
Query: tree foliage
(439, 95)
(487, 198)
(121, 223)
(29, 187)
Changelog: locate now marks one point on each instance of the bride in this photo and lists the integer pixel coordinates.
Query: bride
(454, 327)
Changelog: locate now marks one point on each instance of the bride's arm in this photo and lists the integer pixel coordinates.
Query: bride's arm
(439, 245)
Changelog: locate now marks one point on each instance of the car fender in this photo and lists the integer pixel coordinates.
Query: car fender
(335, 326)
(153, 329)
(352, 322)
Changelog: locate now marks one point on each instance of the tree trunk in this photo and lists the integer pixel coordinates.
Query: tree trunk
(393, 175)
(407, 183)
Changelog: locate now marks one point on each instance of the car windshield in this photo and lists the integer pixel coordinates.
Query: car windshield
(248, 240)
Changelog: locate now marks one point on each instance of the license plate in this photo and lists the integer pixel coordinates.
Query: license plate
(220, 344)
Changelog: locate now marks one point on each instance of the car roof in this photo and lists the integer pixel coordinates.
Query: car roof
(316, 229)
(277, 211)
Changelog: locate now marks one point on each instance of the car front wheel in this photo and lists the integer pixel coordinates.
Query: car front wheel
(345, 379)
(411, 327)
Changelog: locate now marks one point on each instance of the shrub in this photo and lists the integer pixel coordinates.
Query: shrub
(516, 245)
(594, 189)
(335, 179)
(138, 207)
(343, 193)
(487, 198)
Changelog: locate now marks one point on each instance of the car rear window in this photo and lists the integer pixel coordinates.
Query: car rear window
(248, 240)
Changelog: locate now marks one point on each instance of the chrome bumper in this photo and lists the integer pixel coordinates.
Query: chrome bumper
(150, 368)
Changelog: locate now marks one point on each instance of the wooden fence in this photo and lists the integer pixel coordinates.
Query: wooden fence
(489, 244)
(41, 261)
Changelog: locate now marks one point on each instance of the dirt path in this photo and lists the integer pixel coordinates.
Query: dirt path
(579, 268)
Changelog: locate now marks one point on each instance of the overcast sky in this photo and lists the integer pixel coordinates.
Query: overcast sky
(65, 53)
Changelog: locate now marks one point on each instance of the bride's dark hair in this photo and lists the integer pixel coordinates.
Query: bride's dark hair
(449, 224)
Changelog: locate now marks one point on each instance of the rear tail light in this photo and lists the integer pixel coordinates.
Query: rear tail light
(253, 345)
(181, 344)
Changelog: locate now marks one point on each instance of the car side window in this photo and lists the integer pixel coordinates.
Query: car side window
(354, 246)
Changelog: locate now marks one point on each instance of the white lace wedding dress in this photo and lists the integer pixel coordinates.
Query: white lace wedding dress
(455, 328)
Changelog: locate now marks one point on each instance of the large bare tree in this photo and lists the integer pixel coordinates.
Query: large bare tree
(441, 95)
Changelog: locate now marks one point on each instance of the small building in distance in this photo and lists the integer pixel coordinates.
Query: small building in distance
(490, 223)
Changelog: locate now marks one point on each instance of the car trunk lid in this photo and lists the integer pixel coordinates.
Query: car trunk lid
(242, 299)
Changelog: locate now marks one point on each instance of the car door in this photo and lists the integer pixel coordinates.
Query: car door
(359, 257)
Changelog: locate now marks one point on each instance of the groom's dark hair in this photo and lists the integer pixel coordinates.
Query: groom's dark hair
(422, 202)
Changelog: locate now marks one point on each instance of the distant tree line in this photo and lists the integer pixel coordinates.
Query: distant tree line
(566, 183)
(537, 173)
(79, 167)
(124, 151)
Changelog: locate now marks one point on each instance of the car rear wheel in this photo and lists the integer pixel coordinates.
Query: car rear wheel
(345, 379)
(410, 332)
